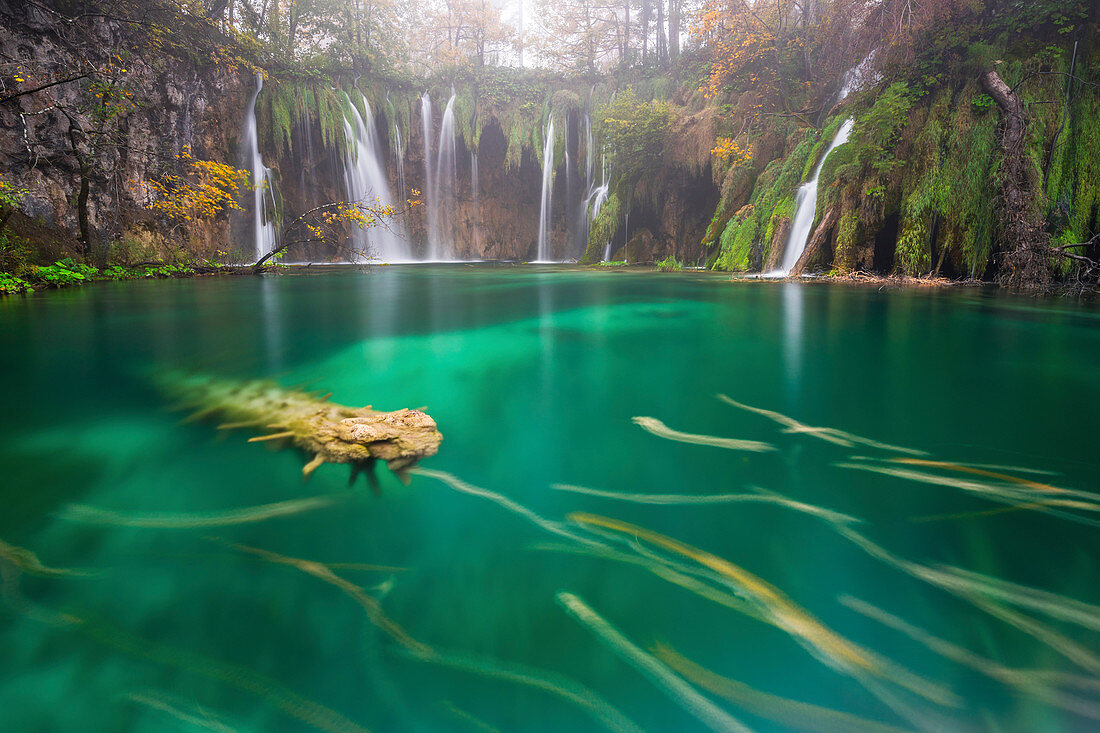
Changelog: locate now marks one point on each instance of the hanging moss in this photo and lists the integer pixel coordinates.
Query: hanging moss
(774, 192)
(603, 229)
(847, 240)
(284, 104)
(465, 111)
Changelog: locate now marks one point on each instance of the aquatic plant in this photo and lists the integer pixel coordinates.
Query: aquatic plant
(666, 680)
(658, 428)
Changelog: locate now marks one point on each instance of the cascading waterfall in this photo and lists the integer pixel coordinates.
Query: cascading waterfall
(806, 208)
(597, 199)
(439, 245)
(429, 176)
(263, 226)
(547, 190)
(570, 232)
(399, 157)
(584, 218)
(365, 177)
(473, 175)
(476, 223)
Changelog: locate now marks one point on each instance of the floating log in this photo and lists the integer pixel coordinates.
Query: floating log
(324, 431)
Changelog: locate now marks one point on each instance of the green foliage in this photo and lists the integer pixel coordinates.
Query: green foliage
(11, 196)
(603, 228)
(15, 253)
(876, 133)
(772, 200)
(67, 272)
(982, 103)
(846, 241)
(1073, 183)
(63, 273)
(634, 132)
(283, 104)
(670, 264)
(12, 285)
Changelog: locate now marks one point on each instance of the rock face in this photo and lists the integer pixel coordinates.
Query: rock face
(65, 144)
(87, 148)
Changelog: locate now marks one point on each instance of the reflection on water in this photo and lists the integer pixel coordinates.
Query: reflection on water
(649, 511)
(792, 294)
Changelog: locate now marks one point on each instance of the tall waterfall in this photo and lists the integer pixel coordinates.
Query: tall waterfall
(263, 225)
(365, 177)
(547, 191)
(806, 208)
(473, 175)
(399, 157)
(429, 176)
(439, 244)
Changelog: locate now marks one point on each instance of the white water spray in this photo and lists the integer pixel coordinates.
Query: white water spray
(547, 191)
(263, 226)
(429, 176)
(806, 208)
(365, 177)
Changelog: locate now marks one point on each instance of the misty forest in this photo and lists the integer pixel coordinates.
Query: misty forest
(549, 365)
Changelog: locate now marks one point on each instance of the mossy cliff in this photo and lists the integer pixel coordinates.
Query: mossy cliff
(924, 186)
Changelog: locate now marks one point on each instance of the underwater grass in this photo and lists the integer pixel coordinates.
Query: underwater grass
(762, 496)
(658, 428)
(1040, 683)
(797, 715)
(666, 680)
(324, 573)
(289, 702)
(822, 642)
(189, 714)
(829, 435)
(516, 508)
(555, 684)
(85, 514)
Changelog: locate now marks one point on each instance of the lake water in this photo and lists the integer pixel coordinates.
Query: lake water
(977, 414)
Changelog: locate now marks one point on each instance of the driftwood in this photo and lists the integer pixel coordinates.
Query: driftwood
(326, 432)
(820, 235)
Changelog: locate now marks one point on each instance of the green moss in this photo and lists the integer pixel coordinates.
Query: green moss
(773, 194)
(847, 239)
(603, 229)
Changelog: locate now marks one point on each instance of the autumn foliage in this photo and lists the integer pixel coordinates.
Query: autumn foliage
(202, 190)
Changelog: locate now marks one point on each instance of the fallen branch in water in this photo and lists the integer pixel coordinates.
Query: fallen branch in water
(323, 430)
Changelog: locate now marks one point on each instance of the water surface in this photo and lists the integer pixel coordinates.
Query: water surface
(534, 376)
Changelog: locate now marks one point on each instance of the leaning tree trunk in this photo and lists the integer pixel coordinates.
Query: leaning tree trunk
(1024, 263)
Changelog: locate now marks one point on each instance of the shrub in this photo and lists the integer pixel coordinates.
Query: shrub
(12, 285)
(670, 264)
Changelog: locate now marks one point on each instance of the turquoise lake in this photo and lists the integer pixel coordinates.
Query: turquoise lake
(913, 542)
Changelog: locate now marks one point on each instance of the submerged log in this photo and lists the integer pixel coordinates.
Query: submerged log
(325, 431)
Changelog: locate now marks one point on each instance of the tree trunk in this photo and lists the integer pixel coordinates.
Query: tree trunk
(1025, 253)
(674, 29)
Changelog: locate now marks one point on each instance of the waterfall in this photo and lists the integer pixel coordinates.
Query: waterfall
(570, 231)
(547, 186)
(263, 227)
(399, 157)
(597, 199)
(365, 177)
(429, 180)
(584, 219)
(806, 208)
(857, 77)
(439, 245)
(473, 175)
